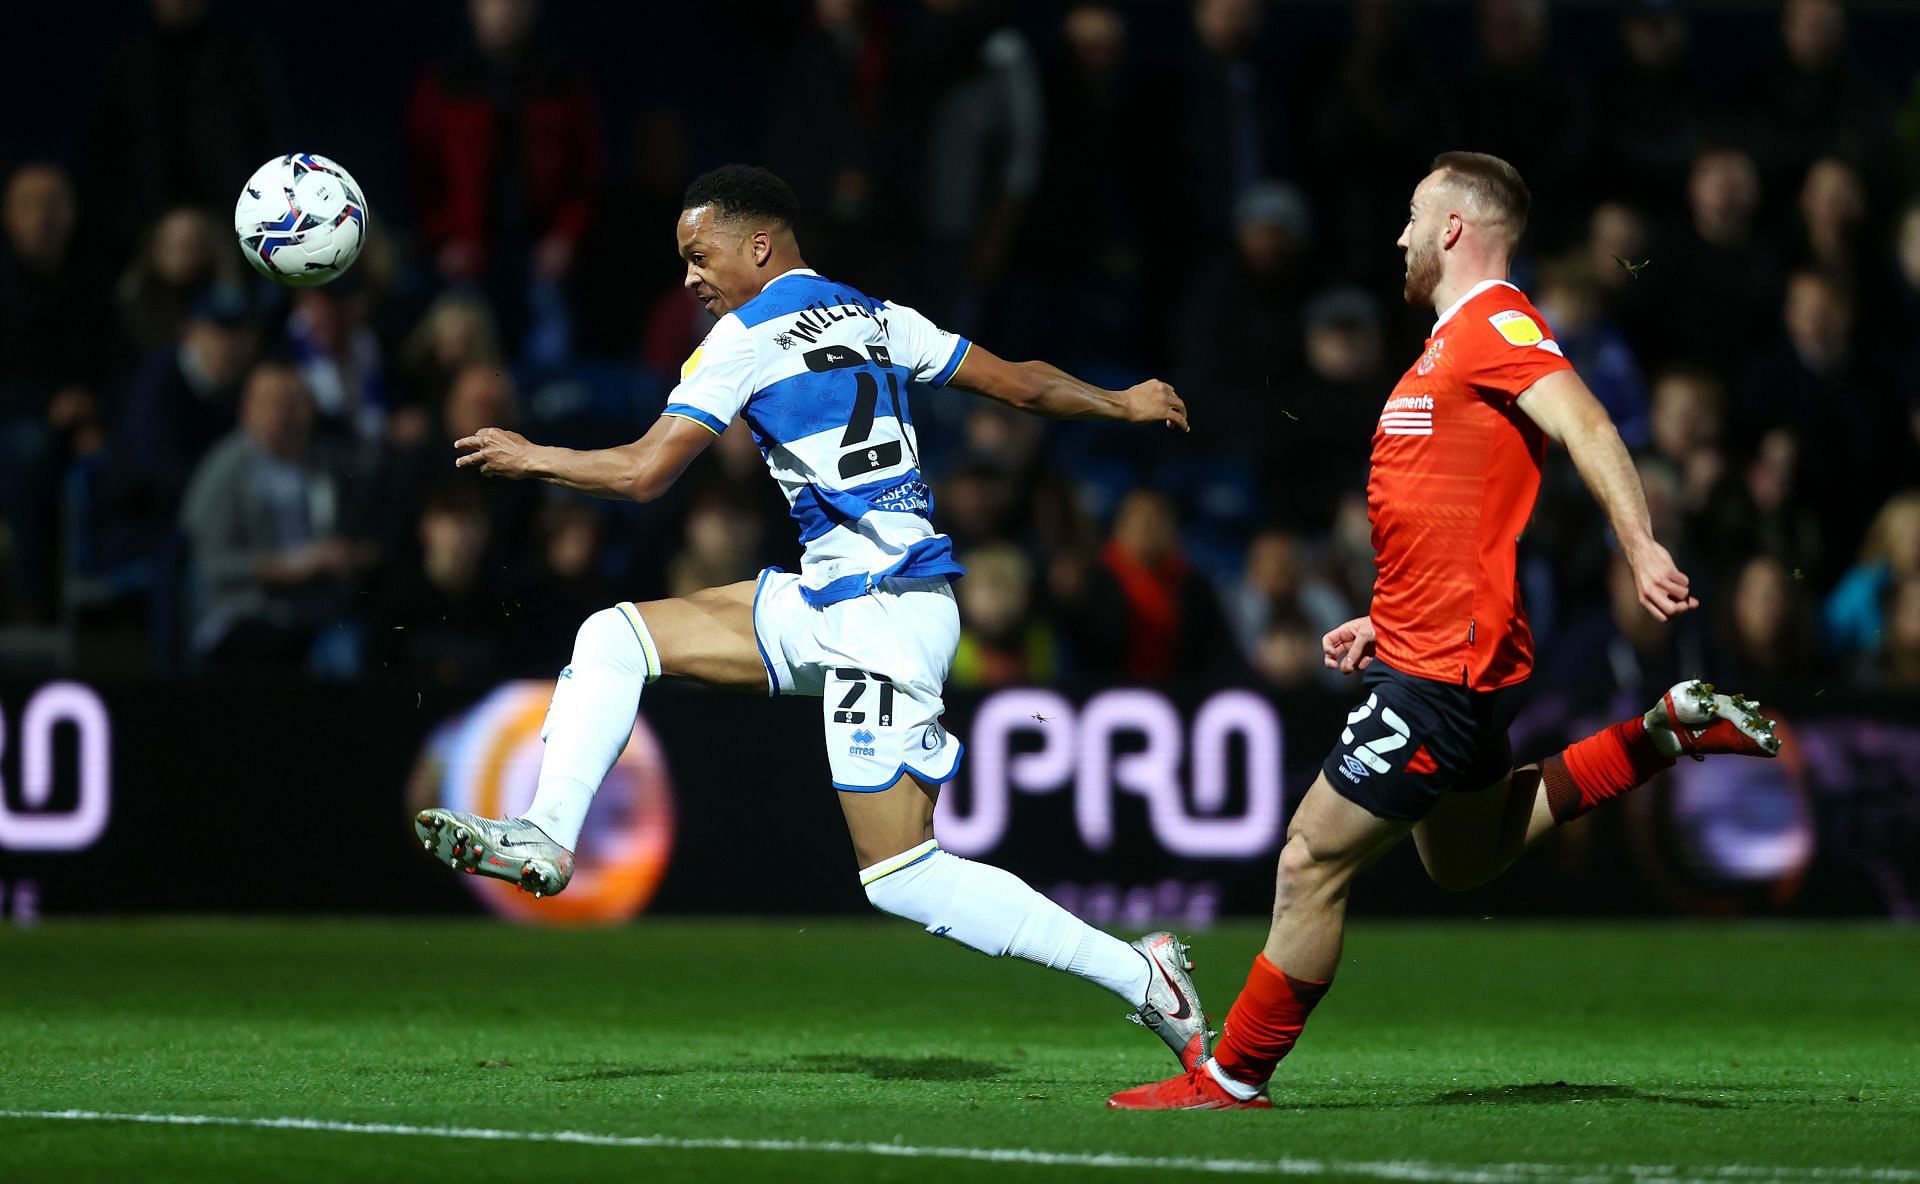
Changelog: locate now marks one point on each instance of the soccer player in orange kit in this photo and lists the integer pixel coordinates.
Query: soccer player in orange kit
(1444, 649)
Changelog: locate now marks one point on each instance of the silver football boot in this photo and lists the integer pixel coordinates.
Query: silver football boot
(510, 849)
(1172, 1010)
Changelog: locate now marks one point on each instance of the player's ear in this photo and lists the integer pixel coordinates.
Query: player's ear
(1456, 226)
(761, 242)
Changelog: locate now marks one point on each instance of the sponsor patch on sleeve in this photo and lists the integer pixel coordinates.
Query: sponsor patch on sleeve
(692, 363)
(1517, 327)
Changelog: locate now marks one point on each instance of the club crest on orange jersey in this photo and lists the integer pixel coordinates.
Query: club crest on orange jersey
(1431, 358)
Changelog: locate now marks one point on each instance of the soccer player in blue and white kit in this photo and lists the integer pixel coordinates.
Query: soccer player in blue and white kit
(819, 372)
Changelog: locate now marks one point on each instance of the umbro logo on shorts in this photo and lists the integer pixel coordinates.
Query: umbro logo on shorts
(1351, 766)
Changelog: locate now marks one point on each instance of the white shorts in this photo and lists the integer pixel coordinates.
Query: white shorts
(878, 662)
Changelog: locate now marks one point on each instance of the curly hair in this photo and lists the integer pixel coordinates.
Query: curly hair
(744, 191)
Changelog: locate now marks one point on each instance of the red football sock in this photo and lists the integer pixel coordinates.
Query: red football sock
(1604, 765)
(1265, 1021)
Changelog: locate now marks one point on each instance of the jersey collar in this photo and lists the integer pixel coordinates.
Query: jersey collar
(789, 271)
(1457, 305)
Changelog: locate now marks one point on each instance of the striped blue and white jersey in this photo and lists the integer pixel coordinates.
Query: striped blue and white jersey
(820, 373)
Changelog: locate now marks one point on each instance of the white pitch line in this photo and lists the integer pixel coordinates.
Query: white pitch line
(1412, 1171)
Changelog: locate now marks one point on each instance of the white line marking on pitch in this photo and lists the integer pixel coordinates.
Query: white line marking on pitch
(1415, 1171)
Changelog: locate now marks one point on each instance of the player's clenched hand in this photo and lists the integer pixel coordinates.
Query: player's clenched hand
(1348, 647)
(1153, 401)
(496, 452)
(1663, 587)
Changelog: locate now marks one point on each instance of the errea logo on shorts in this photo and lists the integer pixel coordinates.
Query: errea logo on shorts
(862, 743)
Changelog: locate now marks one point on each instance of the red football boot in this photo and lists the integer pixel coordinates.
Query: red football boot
(1705, 722)
(1195, 1089)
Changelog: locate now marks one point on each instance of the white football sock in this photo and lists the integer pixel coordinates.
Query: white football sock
(591, 717)
(995, 912)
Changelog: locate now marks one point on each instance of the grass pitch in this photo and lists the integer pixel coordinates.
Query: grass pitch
(865, 1051)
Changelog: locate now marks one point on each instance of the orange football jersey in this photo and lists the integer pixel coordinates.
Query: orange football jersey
(1456, 468)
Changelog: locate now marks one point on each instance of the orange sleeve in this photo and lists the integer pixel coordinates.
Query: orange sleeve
(1509, 349)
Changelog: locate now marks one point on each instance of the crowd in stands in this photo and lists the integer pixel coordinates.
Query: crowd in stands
(224, 475)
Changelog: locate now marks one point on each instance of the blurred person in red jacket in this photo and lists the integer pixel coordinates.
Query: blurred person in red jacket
(505, 148)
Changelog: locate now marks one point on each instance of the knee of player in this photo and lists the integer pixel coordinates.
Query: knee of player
(615, 636)
(1304, 867)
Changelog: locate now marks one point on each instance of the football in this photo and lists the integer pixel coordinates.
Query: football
(301, 219)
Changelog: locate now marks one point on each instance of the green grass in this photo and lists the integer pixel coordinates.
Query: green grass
(1457, 1046)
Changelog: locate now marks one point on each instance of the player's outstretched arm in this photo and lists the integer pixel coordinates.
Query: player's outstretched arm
(640, 471)
(1568, 413)
(1051, 393)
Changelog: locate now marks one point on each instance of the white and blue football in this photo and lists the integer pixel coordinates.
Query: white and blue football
(301, 219)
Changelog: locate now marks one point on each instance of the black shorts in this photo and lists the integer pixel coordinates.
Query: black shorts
(1415, 739)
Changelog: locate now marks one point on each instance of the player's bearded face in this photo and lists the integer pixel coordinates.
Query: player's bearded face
(1423, 270)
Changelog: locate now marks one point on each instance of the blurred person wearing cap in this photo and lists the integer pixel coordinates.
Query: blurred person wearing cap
(1315, 422)
(1239, 334)
(183, 398)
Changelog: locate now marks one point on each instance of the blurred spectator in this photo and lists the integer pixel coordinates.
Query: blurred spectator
(1854, 615)
(823, 129)
(1229, 120)
(339, 358)
(1569, 294)
(456, 333)
(1906, 305)
(504, 143)
(1617, 250)
(1240, 328)
(976, 503)
(626, 267)
(1518, 105)
(1002, 641)
(1715, 284)
(1815, 385)
(1313, 434)
(1619, 649)
(1650, 107)
(50, 346)
(439, 617)
(1759, 512)
(1770, 634)
(1279, 609)
(722, 544)
(264, 518)
(50, 331)
(182, 257)
(1145, 614)
(559, 586)
(183, 399)
(1094, 294)
(970, 109)
(187, 104)
(1375, 112)
(1833, 210)
(481, 396)
(1684, 432)
(1899, 658)
(1813, 101)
